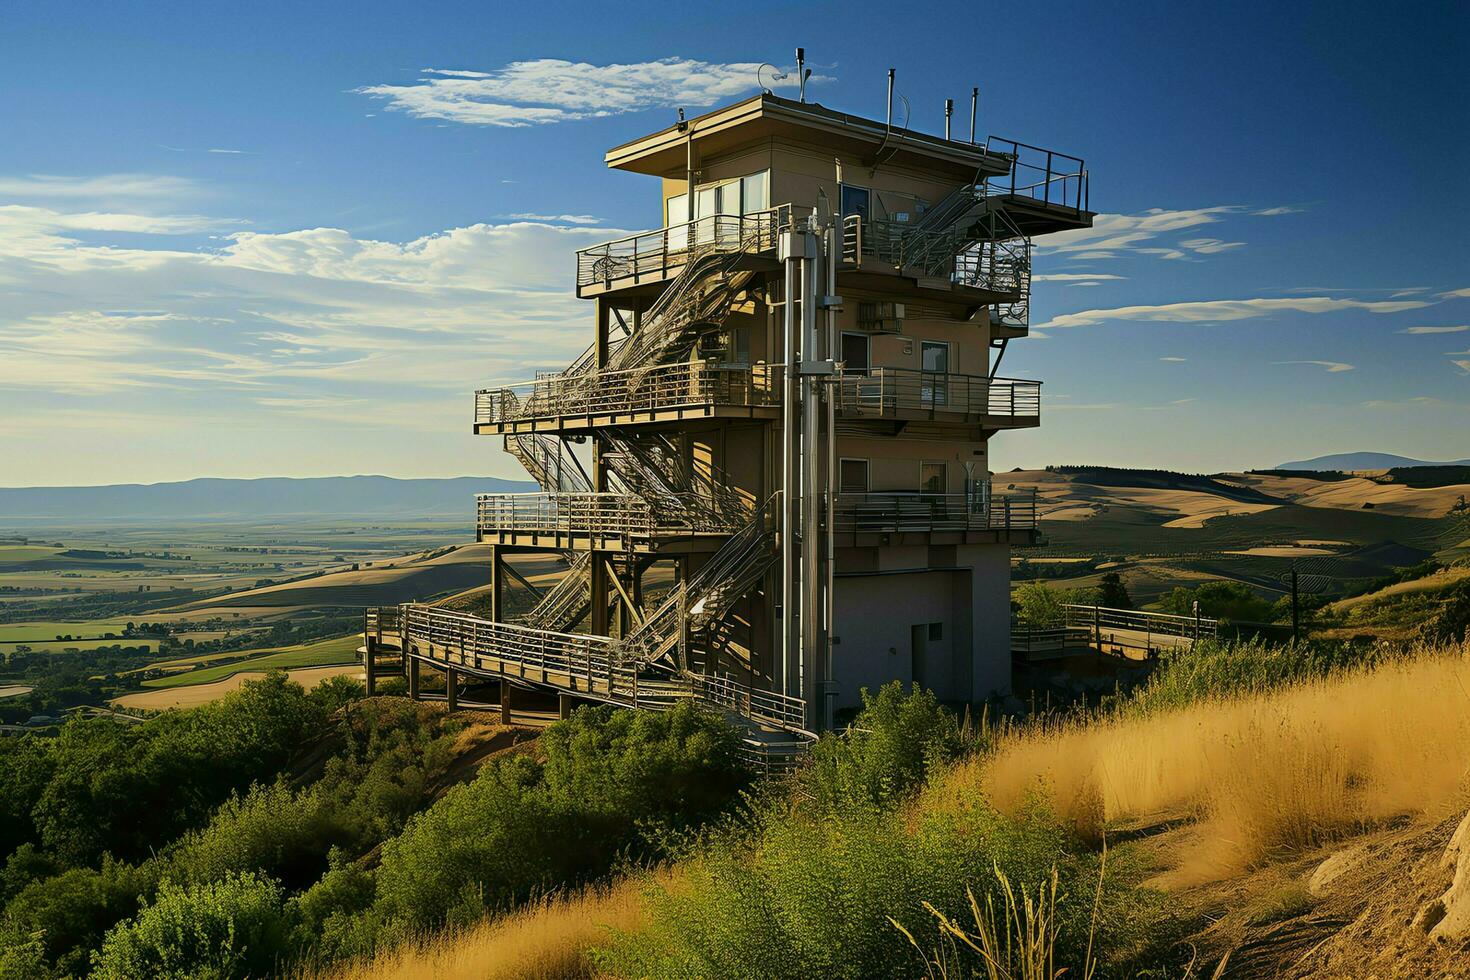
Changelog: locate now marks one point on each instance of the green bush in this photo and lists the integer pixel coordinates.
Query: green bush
(270, 830)
(73, 910)
(1224, 668)
(890, 748)
(803, 895)
(612, 781)
(122, 789)
(235, 927)
(1234, 601)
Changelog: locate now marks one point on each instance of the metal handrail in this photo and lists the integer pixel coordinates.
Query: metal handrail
(637, 390)
(1171, 624)
(886, 392)
(1042, 164)
(980, 509)
(597, 662)
(602, 515)
(598, 515)
(655, 253)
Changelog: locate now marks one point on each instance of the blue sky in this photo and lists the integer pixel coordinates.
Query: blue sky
(291, 239)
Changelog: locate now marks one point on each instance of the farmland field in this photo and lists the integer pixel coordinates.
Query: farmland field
(338, 650)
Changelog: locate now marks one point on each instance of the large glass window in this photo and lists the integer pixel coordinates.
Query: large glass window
(755, 192)
(856, 200)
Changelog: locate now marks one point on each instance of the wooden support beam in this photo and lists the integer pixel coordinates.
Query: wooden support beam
(451, 688)
(505, 690)
(413, 678)
(564, 705)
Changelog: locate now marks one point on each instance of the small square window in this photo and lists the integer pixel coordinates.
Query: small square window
(936, 631)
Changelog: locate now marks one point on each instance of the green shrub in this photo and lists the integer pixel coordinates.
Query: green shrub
(72, 911)
(235, 927)
(1233, 601)
(612, 781)
(270, 830)
(890, 748)
(1222, 668)
(802, 895)
(124, 789)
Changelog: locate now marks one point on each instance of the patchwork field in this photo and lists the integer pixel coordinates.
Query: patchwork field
(185, 673)
(193, 695)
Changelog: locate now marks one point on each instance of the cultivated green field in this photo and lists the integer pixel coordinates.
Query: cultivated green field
(323, 653)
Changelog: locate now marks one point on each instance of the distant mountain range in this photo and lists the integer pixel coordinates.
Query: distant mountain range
(1363, 461)
(212, 499)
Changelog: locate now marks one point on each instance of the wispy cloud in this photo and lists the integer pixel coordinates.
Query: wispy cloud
(1173, 360)
(1114, 235)
(1332, 367)
(549, 90)
(106, 186)
(570, 219)
(1273, 212)
(1463, 365)
(1221, 310)
(1073, 277)
(1432, 330)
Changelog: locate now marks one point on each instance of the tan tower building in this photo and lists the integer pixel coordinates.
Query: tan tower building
(768, 475)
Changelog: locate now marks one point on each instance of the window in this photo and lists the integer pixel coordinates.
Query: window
(852, 476)
(739, 352)
(934, 356)
(855, 353)
(676, 212)
(934, 362)
(755, 193)
(933, 478)
(936, 631)
(856, 200)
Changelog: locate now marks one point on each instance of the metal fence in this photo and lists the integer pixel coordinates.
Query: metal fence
(686, 383)
(889, 392)
(897, 513)
(654, 254)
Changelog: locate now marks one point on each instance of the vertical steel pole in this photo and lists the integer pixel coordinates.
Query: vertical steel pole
(790, 406)
(811, 572)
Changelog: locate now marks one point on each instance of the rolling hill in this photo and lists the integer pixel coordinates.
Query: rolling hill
(1350, 462)
(273, 497)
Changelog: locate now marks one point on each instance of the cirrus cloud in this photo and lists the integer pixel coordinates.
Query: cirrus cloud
(550, 90)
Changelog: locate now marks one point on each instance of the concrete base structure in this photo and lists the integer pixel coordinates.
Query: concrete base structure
(939, 617)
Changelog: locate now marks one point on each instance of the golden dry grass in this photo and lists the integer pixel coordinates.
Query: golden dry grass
(546, 939)
(1259, 776)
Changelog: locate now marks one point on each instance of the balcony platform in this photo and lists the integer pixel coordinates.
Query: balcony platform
(904, 395)
(668, 394)
(553, 424)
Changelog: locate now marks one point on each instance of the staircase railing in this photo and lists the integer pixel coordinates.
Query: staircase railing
(566, 602)
(548, 460)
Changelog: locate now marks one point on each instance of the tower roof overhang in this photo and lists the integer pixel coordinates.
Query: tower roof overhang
(665, 153)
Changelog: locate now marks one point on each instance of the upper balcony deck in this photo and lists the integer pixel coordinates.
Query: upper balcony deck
(652, 258)
(666, 393)
(693, 390)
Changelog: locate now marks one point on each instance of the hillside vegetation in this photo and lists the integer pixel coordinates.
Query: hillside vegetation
(1260, 809)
